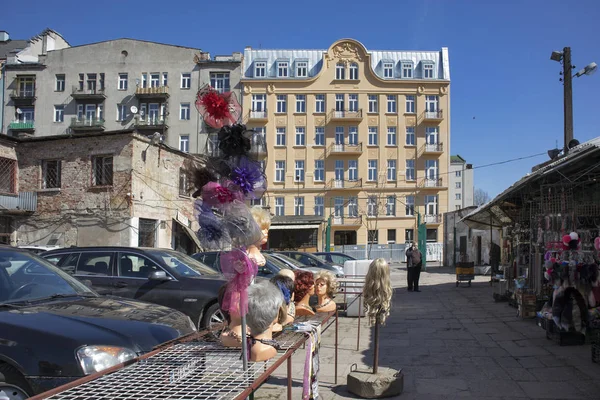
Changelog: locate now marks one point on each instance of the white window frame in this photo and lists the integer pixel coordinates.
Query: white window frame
(155, 79)
(185, 111)
(458, 196)
(432, 135)
(409, 104)
(299, 171)
(339, 170)
(372, 171)
(410, 175)
(259, 103)
(279, 206)
(373, 139)
(283, 69)
(352, 170)
(123, 81)
(353, 206)
(353, 71)
(458, 174)
(340, 103)
(373, 104)
(280, 171)
(428, 70)
(431, 204)
(186, 80)
(390, 206)
(340, 71)
(260, 69)
(338, 208)
(299, 205)
(300, 104)
(301, 69)
(319, 206)
(388, 70)
(392, 175)
(392, 107)
(121, 112)
(407, 69)
(372, 206)
(300, 136)
(165, 79)
(184, 143)
(409, 209)
(392, 136)
(411, 139)
(319, 136)
(220, 81)
(432, 169)
(60, 82)
(353, 135)
(353, 102)
(59, 113)
(320, 103)
(280, 138)
(281, 104)
(432, 103)
(319, 175)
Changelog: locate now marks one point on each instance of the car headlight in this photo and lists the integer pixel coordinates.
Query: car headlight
(97, 358)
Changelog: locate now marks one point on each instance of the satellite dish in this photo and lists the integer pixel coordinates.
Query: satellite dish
(19, 111)
(133, 109)
(572, 143)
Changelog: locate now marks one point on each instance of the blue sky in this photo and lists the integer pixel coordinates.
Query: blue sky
(505, 94)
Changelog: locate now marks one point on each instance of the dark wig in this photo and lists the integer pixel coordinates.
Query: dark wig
(304, 281)
(285, 284)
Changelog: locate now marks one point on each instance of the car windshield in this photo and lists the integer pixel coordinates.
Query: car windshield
(25, 277)
(182, 264)
(278, 263)
(290, 260)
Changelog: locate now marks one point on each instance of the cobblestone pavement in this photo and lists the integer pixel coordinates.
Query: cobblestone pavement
(451, 342)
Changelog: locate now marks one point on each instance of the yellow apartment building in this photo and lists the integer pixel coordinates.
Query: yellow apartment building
(356, 138)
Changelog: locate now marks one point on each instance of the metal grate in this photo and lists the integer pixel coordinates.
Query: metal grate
(51, 171)
(103, 171)
(7, 175)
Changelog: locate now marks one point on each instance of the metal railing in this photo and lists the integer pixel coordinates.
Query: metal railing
(432, 183)
(19, 125)
(96, 92)
(432, 218)
(86, 122)
(347, 220)
(151, 122)
(345, 148)
(433, 148)
(433, 115)
(22, 94)
(345, 184)
(257, 115)
(345, 114)
(153, 90)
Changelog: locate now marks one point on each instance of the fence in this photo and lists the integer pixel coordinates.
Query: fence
(391, 252)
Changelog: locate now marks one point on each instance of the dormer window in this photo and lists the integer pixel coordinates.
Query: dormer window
(428, 71)
(260, 69)
(388, 70)
(340, 71)
(301, 69)
(283, 69)
(407, 69)
(354, 71)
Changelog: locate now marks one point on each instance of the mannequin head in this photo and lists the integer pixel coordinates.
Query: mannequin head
(264, 302)
(377, 291)
(263, 219)
(305, 284)
(287, 272)
(325, 284)
(286, 285)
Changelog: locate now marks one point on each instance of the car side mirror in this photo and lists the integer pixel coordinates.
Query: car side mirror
(158, 276)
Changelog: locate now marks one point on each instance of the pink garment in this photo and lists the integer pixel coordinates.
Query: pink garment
(239, 271)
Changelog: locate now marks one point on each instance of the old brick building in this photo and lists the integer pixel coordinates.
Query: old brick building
(111, 188)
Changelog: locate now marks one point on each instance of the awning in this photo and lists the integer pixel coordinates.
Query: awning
(191, 234)
(485, 216)
(280, 227)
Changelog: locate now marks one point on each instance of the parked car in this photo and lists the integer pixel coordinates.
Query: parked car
(334, 257)
(54, 329)
(160, 276)
(38, 249)
(292, 262)
(271, 268)
(311, 260)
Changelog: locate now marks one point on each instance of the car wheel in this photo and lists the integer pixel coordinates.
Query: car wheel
(12, 384)
(214, 320)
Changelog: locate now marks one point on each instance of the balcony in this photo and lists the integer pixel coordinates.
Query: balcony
(431, 183)
(336, 184)
(21, 126)
(88, 94)
(344, 148)
(434, 116)
(151, 123)
(432, 219)
(23, 97)
(349, 116)
(155, 92)
(258, 116)
(355, 221)
(432, 148)
(87, 124)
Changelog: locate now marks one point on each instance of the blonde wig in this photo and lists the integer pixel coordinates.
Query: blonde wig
(330, 281)
(377, 291)
(261, 216)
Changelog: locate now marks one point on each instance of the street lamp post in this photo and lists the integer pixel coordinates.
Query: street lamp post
(564, 57)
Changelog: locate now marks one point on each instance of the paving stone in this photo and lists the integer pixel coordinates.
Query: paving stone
(550, 390)
(520, 374)
(441, 386)
(530, 362)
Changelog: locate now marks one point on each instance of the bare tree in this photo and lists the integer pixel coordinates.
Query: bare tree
(480, 197)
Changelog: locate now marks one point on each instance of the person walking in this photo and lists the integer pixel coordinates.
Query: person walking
(414, 261)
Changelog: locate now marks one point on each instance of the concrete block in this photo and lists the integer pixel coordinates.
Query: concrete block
(387, 382)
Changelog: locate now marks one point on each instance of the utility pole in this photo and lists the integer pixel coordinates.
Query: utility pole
(568, 97)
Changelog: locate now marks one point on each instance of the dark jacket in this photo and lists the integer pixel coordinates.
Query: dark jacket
(409, 258)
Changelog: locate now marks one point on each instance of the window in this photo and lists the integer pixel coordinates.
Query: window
(280, 136)
(353, 135)
(319, 136)
(300, 136)
(354, 71)
(407, 70)
(144, 80)
(260, 69)
(458, 185)
(339, 102)
(339, 135)
(391, 136)
(458, 196)
(431, 135)
(212, 144)
(410, 135)
(300, 103)
(372, 170)
(431, 235)
(410, 170)
(259, 103)
(279, 171)
(388, 70)
(319, 171)
(428, 71)
(340, 71)
(279, 206)
(391, 104)
(184, 143)
(183, 180)
(409, 235)
(339, 170)
(121, 112)
(51, 174)
(155, 79)
(103, 170)
(391, 236)
(320, 103)
(373, 136)
(60, 83)
(220, 81)
(123, 81)
(432, 103)
(373, 108)
(458, 207)
(458, 174)
(147, 233)
(184, 111)
(410, 104)
(301, 69)
(299, 171)
(353, 170)
(319, 205)
(373, 236)
(59, 113)
(91, 82)
(186, 80)
(281, 103)
(410, 206)
(165, 79)
(27, 114)
(298, 205)
(431, 205)
(338, 207)
(8, 175)
(282, 69)
(372, 206)
(353, 102)
(431, 169)
(390, 206)
(391, 170)
(353, 206)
